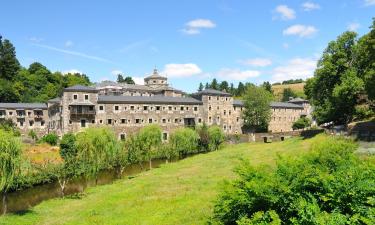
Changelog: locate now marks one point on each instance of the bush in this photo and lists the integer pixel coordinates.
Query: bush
(301, 123)
(184, 141)
(328, 185)
(9, 126)
(33, 135)
(51, 139)
(215, 137)
(203, 137)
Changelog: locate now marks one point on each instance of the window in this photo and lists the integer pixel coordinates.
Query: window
(70, 122)
(101, 108)
(225, 112)
(209, 119)
(100, 121)
(86, 97)
(132, 107)
(31, 123)
(209, 108)
(109, 121)
(226, 99)
(225, 127)
(217, 98)
(75, 97)
(137, 120)
(122, 137)
(187, 108)
(165, 136)
(157, 108)
(10, 113)
(176, 120)
(123, 121)
(230, 112)
(116, 107)
(145, 107)
(199, 120)
(209, 97)
(150, 120)
(163, 108)
(218, 108)
(182, 108)
(29, 113)
(170, 108)
(195, 108)
(92, 121)
(238, 119)
(164, 120)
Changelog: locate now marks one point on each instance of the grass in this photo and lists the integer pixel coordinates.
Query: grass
(177, 193)
(42, 153)
(297, 88)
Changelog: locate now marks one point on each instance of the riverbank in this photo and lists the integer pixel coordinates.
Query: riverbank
(176, 193)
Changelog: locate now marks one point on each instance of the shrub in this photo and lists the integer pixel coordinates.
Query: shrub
(215, 137)
(50, 138)
(68, 148)
(301, 123)
(9, 126)
(33, 135)
(203, 137)
(328, 185)
(184, 141)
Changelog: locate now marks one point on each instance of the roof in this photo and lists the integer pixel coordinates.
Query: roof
(237, 102)
(148, 99)
(297, 100)
(155, 75)
(285, 105)
(81, 103)
(23, 106)
(80, 88)
(210, 91)
(55, 100)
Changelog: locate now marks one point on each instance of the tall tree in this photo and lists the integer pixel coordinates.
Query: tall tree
(331, 92)
(200, 88)
(266, 85)
(9, 64)
(129, 80)
(224, 86)
(231, 89)
(257, 111)
(207, 86)
(214, 84)
(120, 78)
(240, 89)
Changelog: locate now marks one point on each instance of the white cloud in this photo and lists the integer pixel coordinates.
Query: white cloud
(300, 30)
(138, 80)
(353, 26)
(116, 72)
(285, 45)
(285, 13)
(194, 26)
(369, 2)
(236, 74)
(257, 62)
(294, 69)
(68, 44)
(72, 71)
(181, 70)
(309, 6)
(36, 39)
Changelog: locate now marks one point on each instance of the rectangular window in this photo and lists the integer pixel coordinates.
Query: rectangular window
(83, 123)
(165, 136)
(150, 120)
(10, 113)
(176, 120)
(182, 108)
(122, 136)
(170, 108)
(132, 107)
(123, 121)
(100, 121)
(92, 121)
(195, 108)
(75, 97)
(225, 112)
(137, 120)
(145, 108)
(209, 97)
(109, 121)
(199, 120)
(164, 120)
(86, 97)
(116, 107)
(42, 123)
(31, 123)
(157, 108)
(101, 108)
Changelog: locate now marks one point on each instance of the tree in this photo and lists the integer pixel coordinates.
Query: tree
(150, 139)
(10, 163)
(240, 89)
(257, 111)
(267, 86)
(70, 167)
(207, 86)
(200, 88)
(184, 141)
(224, 86)
(9, 64)
(214, 84)
(301, 123)
(287, 94)
(331, 91)
(120, 78)
(129, 80)
(204, 141)
(215, 137)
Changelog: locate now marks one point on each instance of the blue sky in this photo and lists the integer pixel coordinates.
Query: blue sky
(188, 41)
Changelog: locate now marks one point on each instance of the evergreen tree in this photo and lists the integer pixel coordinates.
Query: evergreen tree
(120, 78)
(200, 87)
(231, 89)
(287, 94)
(129, 80)
(266, 85)
(207, 86)
(224, 86)
(214, 84)
(9, 64)
(240, 89)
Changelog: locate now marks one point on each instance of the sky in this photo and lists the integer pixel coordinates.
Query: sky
(187, 41)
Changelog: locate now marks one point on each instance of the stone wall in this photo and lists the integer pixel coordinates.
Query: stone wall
(282, 119)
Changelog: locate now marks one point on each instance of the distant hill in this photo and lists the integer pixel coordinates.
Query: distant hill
(297, 88)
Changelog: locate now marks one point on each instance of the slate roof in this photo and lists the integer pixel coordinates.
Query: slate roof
(155, 75)
(285, 105)
(237, 102)
(148, 99)
(210, 91)
(297, 100)
(80, 88)
(55, 100)
(23, 106)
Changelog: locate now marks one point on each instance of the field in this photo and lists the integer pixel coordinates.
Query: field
(177, 193)
(297, 88)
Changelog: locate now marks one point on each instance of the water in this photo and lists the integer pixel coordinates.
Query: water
(20, 201)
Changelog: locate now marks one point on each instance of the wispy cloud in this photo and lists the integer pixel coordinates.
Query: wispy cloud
(68, 52)
(257, 62)
(284, 12)
(309, 6)
(353, 26)
(135, 45)
(237, 74)
(194, 26)
(68, 43)
(294, 69)
(300, 30)
(369, 2)
(36, 39)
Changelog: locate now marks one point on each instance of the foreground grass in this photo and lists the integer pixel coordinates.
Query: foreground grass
(177, 193)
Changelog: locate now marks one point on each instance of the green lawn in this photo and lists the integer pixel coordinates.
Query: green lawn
(177, 193)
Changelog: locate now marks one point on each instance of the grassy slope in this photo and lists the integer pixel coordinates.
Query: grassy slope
(297, 88)
(177, 193)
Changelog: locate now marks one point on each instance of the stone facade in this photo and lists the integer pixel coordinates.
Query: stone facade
(126, 108)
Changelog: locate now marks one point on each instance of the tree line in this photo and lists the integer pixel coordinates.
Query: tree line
(33, 84)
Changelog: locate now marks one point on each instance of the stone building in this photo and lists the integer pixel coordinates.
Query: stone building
(126, 108)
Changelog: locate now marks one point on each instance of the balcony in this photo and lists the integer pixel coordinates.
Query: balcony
(78, 111)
